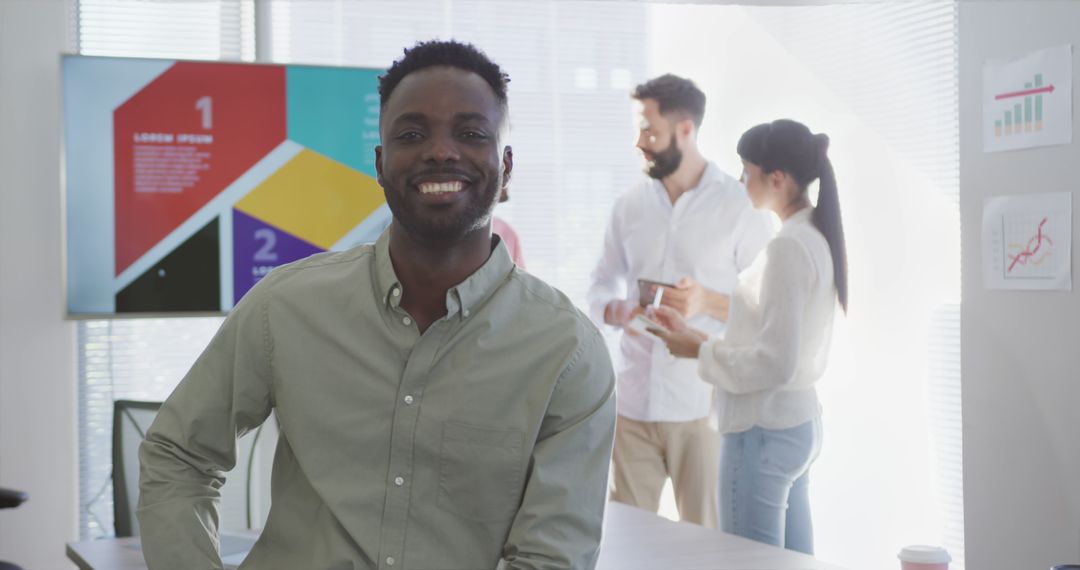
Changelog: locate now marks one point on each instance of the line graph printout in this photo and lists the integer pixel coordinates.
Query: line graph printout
(1027, 100)
(1027, 242)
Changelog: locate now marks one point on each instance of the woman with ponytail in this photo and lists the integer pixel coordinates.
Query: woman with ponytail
(768, 361)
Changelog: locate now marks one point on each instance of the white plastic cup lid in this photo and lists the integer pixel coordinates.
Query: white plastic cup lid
(922, 554)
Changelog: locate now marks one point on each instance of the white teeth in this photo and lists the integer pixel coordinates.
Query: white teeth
(441, 187)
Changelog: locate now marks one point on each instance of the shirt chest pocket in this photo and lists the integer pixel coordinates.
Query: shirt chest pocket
(480, 471)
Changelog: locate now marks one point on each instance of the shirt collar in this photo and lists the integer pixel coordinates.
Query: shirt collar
(802, 216)
(708, 176)
(461, 298)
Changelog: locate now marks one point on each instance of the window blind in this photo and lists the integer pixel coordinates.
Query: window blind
(208, 29)
(894, 65)
(880, 79)
(141, 359)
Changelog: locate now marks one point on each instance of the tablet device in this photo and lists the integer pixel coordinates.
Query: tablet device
(647, 291)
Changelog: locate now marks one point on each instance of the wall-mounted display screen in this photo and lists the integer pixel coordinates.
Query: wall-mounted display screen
(186, 182)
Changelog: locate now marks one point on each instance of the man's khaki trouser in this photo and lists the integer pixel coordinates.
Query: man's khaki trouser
(647, 453)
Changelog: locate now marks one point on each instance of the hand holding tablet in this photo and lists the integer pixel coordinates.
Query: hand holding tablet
(641, 324)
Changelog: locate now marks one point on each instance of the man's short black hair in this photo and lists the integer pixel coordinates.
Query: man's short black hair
(674, 94)
(444, 53)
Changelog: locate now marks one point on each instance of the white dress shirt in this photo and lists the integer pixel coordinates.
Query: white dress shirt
(710, 234)
(779, 329)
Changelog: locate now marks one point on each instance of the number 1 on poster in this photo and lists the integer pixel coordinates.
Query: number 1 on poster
(206, 105)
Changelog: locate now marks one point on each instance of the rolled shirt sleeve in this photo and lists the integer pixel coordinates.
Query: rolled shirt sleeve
(561, 516)
(192, 441)
(608, 279)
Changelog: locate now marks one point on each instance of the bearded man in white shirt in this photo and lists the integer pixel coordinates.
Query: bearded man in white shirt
(690, 225)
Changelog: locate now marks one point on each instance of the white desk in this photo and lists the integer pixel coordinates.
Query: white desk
(126, 553)
(633, 540)
(118, 553)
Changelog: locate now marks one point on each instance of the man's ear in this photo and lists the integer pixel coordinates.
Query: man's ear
(686, 129)
(378, 164)
(508, 166)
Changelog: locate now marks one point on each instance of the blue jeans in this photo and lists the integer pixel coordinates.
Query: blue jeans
(764, 484)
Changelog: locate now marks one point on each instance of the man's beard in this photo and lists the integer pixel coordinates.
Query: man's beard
(434, 225)
(665, 162)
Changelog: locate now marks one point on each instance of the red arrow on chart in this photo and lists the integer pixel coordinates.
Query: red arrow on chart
(1048, 89)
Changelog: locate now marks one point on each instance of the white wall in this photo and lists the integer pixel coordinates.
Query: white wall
(1021, 363)
(37, 347)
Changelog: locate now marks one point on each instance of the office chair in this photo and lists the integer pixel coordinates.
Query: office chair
(242, 504)
(9, 499)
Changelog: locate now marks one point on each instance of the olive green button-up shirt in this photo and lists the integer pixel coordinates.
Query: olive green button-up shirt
(482, 443)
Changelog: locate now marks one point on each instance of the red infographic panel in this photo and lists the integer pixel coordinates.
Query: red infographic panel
(183, 139)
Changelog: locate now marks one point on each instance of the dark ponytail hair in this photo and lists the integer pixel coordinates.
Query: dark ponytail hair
(789, 146)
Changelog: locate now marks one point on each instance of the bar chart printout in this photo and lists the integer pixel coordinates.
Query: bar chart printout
(1027, 100)
(1015, 121)
(1027, 242)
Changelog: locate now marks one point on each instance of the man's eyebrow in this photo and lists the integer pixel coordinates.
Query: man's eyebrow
(410, 118)
(417, 117)
(478, 117)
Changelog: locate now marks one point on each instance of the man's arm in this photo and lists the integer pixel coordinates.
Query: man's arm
(690, 298)
(605, 297)
(618, 313)
(716, 304)
(192, 442)
(753, 231)
(559, 523)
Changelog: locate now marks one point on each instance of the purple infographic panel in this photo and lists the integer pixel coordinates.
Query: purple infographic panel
(259, 247)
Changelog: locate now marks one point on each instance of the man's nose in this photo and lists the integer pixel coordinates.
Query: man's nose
(642, 140)
(442, 148)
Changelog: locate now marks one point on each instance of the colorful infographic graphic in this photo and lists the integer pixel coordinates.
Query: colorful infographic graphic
(187, 182)
(1027, 100)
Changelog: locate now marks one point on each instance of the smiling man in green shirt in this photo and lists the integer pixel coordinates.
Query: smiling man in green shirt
(438, 407)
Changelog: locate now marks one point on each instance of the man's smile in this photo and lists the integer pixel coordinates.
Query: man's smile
(441, 187)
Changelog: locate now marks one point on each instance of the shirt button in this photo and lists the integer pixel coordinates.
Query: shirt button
(465, 313)
(389, 560)
(408, 399)
(406, 321)
(399, 481)
(396, 292)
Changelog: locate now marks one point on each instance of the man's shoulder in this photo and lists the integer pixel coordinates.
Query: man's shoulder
(639, 190)
(567, 335)
(724, 186)
(322, 267)
(636, 202)
(543, 303)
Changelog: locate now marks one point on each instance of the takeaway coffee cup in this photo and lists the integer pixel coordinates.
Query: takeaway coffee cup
(919, 557)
